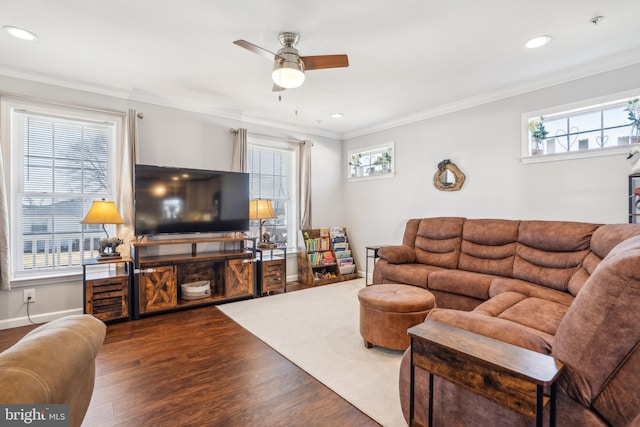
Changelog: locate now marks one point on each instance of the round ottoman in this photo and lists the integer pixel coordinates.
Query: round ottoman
(388, 310)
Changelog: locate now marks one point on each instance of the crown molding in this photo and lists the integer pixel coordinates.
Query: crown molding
(565, 76)
(291, 128)
(575, 73)
(133, 95)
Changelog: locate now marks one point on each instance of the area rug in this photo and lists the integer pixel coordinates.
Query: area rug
(318, 330)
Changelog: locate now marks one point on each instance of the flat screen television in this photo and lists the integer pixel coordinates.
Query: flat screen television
(180, 200)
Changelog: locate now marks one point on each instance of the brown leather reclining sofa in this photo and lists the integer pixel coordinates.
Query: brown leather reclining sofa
(567, 289)
(54, 364)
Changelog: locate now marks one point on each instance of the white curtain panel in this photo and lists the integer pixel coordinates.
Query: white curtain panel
(239, 159)
(128, 157)
(305, 185)
(5, 282)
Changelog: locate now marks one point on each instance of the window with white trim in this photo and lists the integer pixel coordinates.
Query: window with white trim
(592, 128)
(376, 161)
(62, 159)
(273, 170)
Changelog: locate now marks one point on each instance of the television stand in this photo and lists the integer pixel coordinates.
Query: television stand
(161, 267)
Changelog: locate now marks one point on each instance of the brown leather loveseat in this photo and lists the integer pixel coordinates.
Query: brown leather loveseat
(567, 289)
(54, 364)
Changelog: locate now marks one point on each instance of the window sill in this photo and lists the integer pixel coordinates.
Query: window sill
(372, 177)
(46, 279)
(585, 154)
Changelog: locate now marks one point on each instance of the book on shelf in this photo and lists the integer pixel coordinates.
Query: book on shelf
(345, 261)
(341, 247)
(336, 232)
(319, 258)
(327, 258)
(343, 254)
(317, 244)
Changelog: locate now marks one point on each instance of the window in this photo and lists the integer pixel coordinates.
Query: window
(62, 160)
(273, 176)
(597, 127)
(371, 162)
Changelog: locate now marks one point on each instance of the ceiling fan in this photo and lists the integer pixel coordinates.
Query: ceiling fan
(288, 66)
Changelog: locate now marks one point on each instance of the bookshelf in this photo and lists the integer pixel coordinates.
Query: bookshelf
(324, 256)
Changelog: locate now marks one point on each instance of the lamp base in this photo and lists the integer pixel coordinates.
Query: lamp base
(108, 257)
(266, 245)
(107, 248)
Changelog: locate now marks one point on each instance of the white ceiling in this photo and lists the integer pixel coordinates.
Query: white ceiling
(408, 59)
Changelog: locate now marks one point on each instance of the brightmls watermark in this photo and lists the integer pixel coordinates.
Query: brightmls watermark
(34, 415)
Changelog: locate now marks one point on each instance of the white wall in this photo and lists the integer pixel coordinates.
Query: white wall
(169, 137)
(484, 142)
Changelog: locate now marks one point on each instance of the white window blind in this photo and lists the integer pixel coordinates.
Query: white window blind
(272, 177)
(63, 165)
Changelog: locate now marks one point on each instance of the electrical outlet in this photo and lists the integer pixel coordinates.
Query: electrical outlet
(29, 293)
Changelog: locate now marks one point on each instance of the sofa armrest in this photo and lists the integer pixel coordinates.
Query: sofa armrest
(401, 254)
(54, 364)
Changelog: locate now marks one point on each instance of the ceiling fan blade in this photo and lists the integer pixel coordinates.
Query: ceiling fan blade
(277, 88)
(255, 49)
(324, 61)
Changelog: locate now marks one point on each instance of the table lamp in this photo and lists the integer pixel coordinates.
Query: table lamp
(103, 212)
(262, 210)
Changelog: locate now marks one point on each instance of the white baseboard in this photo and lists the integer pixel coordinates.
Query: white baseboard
(38, 318)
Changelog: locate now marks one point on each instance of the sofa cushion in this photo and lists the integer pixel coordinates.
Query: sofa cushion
(489, 246)
(503, 284)
(494, 327)
(535, 313)
(460, 282)
(410, 274)
(496, 305)
(605, 238)
(553, 261)
(608, 236)
(599, 338)
(438, 241)
(567, 236)
(455, 301)
(401, 254)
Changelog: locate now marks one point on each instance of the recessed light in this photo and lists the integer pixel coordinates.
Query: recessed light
(336, 115)
(20, 33)
(537, 42)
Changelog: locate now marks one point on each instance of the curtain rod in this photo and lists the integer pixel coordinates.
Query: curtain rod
(64, 104)
(275, 138)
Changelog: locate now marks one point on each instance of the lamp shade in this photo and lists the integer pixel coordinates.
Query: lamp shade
(261, 209)
(288, 74)
(103, 212)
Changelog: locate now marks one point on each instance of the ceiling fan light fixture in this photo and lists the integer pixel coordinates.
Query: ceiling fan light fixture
(288, 74)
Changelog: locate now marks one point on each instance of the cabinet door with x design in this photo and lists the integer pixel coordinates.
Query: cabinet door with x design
(158, 288)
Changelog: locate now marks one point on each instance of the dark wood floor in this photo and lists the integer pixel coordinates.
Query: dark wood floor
(200, 368)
